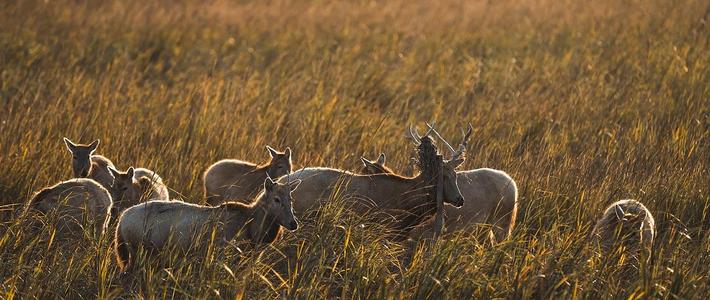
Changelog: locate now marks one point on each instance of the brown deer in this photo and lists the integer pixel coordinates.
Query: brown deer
(134, 186)
(77, 203)
(409, 199)
(491, 197)
(625, 223)
(235, 179)
(87, 165)
(375, 167)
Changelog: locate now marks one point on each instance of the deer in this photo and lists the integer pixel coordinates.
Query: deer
(491, 196)
(161, 225)
(77, 202)
(235, 179)
(87, 165)
(135, 185)
(625, 223)
(410, 200)
(370, 167)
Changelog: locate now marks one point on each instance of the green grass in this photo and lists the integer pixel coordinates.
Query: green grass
(581, 103)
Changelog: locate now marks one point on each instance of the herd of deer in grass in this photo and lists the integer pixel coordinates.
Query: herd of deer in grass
(253, 202)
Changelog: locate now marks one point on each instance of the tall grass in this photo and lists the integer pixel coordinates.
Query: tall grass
(583, 103)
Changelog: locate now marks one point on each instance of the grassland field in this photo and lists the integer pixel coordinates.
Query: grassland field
(582, 103)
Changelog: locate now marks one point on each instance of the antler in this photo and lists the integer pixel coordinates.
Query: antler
(464, 142)
(413, 133)
(462, 147)
(431, 128)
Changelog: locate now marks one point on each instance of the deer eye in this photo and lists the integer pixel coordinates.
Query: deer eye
(277, 200)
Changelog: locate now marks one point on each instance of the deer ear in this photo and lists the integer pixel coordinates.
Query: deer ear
(635, 218)
(272, 152)
(455, 163)
(294, 184)
(287, 153)
(130, 172)
(70, 145)
(94, 145)
(113, 171)
(619, 212)
(365, 162)
(381, 159)
(269, 183)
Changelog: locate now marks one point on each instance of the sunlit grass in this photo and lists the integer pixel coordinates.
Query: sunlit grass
(583, 104)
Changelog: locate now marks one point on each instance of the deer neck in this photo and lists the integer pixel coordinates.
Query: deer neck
(261, 225)
(231, 220)
(418, 203)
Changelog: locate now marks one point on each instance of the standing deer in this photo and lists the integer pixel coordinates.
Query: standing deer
(491, 197)
(409, 199)
(87, 165)
(160, 225)
(76, 202)
(232, 179)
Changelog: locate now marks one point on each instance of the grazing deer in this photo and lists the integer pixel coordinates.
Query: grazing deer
(235, 179)
(409, 199)
(134, 186)
(77, 202)
(87, 165)
(491, 197)
(158, 225)
(625, 223)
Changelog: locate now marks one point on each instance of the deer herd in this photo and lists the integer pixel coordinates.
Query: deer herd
(253, 202)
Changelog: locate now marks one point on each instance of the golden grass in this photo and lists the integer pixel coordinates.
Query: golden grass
(582, 103)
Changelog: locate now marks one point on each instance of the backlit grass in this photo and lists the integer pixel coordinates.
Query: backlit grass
(582, 103)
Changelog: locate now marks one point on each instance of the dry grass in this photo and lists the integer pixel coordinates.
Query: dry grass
(582, 103)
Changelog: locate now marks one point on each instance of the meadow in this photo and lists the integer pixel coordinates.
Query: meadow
(582, 103)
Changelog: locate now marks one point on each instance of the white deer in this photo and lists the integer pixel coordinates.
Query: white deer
(159, 225)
